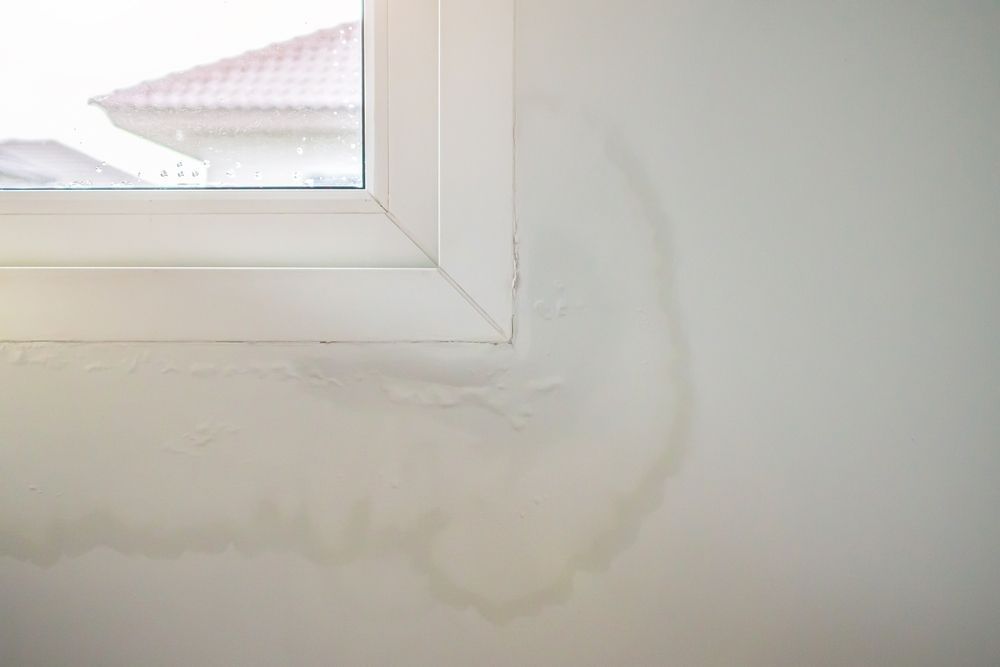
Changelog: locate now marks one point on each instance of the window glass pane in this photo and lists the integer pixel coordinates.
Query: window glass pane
(186, 93)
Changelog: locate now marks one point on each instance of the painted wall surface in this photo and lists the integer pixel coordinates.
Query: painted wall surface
(752, 416)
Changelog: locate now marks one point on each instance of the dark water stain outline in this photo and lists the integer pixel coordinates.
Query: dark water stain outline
(271, 528)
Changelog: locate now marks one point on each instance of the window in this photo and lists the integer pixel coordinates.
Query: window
(404, 233)
(273, 99)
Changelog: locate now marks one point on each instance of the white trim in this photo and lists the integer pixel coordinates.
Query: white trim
(414, 107)
(376, 68)
(476, 238)
(197, 201)
(359, 305)
(246, 239)
(425, 253)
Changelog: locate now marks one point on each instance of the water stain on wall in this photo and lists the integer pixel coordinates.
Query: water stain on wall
(499, 472)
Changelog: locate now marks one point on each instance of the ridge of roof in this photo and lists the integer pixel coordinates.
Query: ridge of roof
(320, 70)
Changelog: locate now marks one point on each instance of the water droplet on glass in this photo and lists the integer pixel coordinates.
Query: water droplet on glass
(238, 165)
(256, 175)
(195, 173)
(98, 170)
(230, 173)
(180, 174)
(180, 164)
(163, 174)
(299, 150)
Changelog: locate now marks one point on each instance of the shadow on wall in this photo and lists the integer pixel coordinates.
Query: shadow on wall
(499, 473)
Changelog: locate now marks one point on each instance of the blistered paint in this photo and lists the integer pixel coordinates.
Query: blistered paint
(468, 460)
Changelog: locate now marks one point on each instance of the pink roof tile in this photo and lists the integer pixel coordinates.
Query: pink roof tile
(321, 70)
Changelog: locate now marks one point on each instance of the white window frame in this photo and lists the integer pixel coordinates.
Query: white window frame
(424, 253)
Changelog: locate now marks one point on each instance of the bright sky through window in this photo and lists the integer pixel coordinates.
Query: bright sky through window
(190, 93)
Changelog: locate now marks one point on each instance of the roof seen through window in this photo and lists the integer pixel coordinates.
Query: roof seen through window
(180, 111)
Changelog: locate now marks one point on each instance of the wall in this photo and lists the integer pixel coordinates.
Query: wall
(751, 417)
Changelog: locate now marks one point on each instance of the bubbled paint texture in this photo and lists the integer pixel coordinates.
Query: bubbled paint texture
(466, 460)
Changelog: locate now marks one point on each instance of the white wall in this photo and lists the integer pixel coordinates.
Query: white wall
(751, 419)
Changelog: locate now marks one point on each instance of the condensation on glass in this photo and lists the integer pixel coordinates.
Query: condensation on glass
(190, 93)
